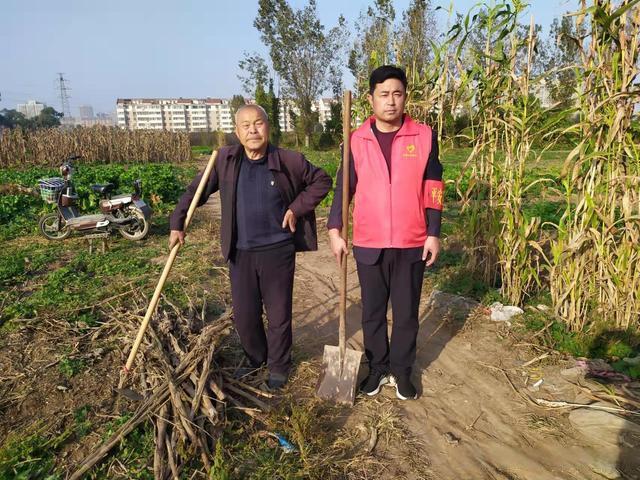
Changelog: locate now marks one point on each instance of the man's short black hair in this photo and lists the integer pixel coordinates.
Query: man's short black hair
(385, 72)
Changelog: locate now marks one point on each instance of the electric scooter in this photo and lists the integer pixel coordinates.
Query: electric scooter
(126, 213)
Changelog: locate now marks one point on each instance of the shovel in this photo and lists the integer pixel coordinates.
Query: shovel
(167, 268)
(340, 364)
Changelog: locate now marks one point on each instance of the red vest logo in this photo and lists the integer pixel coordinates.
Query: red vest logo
(410, 151)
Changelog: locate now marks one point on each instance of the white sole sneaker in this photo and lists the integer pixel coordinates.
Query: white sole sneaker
(392, 383)
(383, 381)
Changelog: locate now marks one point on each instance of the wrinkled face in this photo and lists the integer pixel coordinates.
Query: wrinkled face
(252, 129)
(388, 100)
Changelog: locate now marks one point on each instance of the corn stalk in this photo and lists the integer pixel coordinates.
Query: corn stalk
(595, 260)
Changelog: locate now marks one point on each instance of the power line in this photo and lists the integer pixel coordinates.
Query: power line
(64, 95)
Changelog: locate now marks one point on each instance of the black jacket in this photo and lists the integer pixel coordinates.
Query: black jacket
(301, 184)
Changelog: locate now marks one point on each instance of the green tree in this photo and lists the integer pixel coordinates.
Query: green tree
(373, 47)
(12, 118)
(332, 134)
(273, 110)
(255, 72)
(306, 57)
(417, 29)
(47, 118)
(234, 104)
(564, 47)
(261, 98)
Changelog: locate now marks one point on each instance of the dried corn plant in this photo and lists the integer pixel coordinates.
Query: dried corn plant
(99, 144)
(489, 195)
(523, 121)
(595, 258)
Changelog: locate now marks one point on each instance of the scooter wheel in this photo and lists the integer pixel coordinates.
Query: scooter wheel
(53, 227)
(138, 229)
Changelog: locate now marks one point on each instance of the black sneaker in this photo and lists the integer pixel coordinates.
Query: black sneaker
(404, 388)
(374, 382)
(276, 381)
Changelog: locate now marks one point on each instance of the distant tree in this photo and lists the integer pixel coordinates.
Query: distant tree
(305, 56)
(564, 46)
(333, 126)
(234, 104)
(374, 45)
(12, 118)
(47, 118)
(260, 97)
(273, 109)
(417, 29)
(255, 72)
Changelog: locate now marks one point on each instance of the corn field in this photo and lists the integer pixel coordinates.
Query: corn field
(99, 144)
(589, 262)
(595, 257)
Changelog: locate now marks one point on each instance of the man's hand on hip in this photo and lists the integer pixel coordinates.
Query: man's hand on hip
(431, 250)
(176, 236)
(289, 221)
(338, 245)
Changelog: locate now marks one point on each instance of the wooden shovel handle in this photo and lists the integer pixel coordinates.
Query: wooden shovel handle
(346, 149)
(167, 267)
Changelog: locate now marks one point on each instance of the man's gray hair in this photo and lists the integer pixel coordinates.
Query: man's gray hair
(253, 106)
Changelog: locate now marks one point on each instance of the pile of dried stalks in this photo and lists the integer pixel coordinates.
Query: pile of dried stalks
(182, 388)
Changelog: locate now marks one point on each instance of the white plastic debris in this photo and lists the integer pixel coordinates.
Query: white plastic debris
(504, 313)
(536, 386)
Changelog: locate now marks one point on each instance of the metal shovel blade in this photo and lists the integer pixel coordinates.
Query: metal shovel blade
(339, 378)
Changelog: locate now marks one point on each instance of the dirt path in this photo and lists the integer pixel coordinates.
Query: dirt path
(469, 420)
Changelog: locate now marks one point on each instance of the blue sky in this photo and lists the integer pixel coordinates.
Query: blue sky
(150, 48)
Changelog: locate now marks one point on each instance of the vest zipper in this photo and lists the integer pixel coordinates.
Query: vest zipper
(390, 194)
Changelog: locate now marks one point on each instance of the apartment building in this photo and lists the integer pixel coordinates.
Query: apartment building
(195, 115)
(174, 114)
(31, 108)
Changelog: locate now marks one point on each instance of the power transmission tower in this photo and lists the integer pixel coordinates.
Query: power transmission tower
(64, 95)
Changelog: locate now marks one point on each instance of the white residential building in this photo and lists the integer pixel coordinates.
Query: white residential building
(323, 107)
(195, 115)
(174, 114)
(31, 108)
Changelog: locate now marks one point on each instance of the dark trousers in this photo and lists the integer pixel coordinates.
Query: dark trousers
(264, 278)
(398, 275)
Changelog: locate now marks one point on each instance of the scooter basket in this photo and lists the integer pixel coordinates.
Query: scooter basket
(50, 188)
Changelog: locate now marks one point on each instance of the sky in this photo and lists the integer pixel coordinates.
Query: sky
(152, 48)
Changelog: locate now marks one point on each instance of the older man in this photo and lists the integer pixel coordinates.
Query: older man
(268, 196)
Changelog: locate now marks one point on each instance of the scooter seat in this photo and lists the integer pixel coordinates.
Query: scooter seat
(102, 188)
(125, 197)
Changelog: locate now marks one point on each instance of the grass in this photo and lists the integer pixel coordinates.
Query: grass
(64, 277)
(31, 454)
(133, 454)
(70, 367)
(610, 345)
(201, 150)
